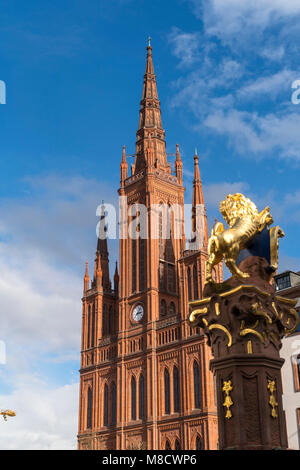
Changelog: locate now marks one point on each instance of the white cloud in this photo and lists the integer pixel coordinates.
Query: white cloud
(292, 198)
(46, 418)
(249, 132)
(231, 17)
(229, 71)
(44, 239)
(238, 126)
(57, 217)
(206, 89)
(218, 94)
(273, 53)
(186, 46)
(269, 85)
(45, 314)
(216, 192)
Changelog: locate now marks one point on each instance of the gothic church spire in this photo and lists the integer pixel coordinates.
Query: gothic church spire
(150, 123)
(102, 261)
(199, 219)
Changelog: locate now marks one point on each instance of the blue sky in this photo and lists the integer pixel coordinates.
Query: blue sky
(73, 72)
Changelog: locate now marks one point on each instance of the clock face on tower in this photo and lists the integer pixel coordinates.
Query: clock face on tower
(138, 313)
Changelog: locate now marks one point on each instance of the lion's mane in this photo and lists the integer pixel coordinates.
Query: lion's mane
(236, 206)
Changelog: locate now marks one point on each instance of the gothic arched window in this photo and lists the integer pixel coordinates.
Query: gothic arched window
(141, 397)
(163, 308)
(113, 403)
(195, 280)
(89, 328)
(104, 321)
(198, 443)
(177, 445)
(172, 309)
(115, 321)
(133, 270)
(89, 408)
(133, 398)
(167, 391)
(197, 391)
(162, 276)
(176, 390)
(160, 232)
(105, 407)
(110, 320)
(171, 278)
(189, 283)
(168, 445)
(142, 266)
(93, 326)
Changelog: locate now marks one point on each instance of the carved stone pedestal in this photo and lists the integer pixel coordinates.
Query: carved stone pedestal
(245, 325)
(249, 403)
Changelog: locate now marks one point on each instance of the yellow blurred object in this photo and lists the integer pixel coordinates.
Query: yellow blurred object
(6, 413)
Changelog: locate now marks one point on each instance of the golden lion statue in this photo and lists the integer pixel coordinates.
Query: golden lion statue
(244, 221)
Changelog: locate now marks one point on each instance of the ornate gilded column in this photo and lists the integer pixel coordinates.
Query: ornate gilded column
(245, 322)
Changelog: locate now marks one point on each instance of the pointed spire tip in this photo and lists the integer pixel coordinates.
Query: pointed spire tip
(86, 274)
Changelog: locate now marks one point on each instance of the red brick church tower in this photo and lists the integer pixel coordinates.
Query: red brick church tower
(144, 379)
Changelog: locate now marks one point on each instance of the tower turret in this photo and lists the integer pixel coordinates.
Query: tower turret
(86, 279)
(199, 219)
(116, 279)
(178, 165)
(123, 166)
(102, 261)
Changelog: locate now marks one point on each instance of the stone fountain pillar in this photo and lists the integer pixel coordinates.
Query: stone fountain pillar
(245, 322)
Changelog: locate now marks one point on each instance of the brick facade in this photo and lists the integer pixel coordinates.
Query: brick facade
(146, 383)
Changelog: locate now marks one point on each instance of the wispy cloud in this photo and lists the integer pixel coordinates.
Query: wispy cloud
(234, 97)
(238, 18)
(249, 133)
(186, 46)
(46, 417)
(271, 85)
(216, 192)
(273, 53)
(44, 238)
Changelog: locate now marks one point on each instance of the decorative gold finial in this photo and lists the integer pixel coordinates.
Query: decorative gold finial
(227, 388)
(272, 400)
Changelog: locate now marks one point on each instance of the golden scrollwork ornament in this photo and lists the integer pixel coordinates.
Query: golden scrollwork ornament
(227, 388)
(272, 399)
